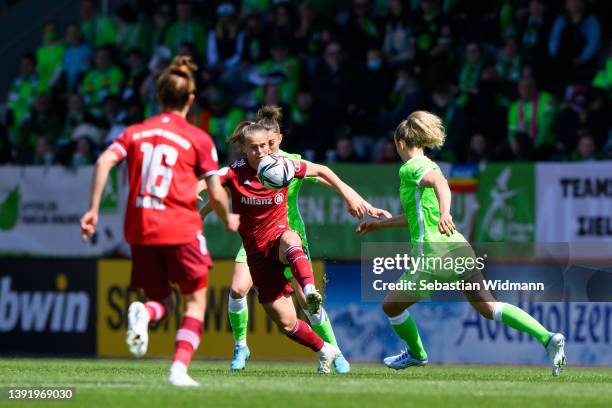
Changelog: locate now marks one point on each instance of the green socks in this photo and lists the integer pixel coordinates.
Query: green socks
(406, 328)
(321, 325)
(239, 318)
(518, 319)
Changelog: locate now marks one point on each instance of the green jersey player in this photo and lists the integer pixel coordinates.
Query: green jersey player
(426, 198)
(238, 312)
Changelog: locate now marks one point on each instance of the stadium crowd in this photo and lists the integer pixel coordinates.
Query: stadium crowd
(512, 79)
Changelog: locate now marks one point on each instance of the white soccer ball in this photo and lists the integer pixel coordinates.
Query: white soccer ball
(275, 172)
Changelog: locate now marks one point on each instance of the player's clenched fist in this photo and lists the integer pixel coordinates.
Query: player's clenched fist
(88, 224)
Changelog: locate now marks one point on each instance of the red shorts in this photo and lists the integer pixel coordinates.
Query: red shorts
(155, 267)
(268, 275)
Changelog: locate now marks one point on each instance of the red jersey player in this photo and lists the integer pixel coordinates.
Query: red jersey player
(165, 157)
(269, 242)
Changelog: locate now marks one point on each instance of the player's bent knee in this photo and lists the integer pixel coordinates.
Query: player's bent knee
(287, 326)
(291, 238)
(485, 309)
(237, 292)
(391, 309)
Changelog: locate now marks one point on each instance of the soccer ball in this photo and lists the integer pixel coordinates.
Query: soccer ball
(275, 172)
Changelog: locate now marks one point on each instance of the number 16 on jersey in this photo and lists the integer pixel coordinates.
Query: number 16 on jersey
(156, 177)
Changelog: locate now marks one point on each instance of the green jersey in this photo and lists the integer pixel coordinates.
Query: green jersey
(293, 211)
(421, 205)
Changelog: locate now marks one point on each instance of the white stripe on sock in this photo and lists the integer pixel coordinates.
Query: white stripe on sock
(497, 311)
(158, 310)
(236, 305)
(188, 336)
(397, 320)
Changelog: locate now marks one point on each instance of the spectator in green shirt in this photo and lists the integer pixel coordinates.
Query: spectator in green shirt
(469, 76)
(137, 72)
(531, 117)
(75, 116)
(132, 32)
(97, 29)
(23, 91)
(49, 55)
(161, 25)
(40, 122)
(283, 69)
(186, 29)
(223, 118)
(509, 61)
(106, 79)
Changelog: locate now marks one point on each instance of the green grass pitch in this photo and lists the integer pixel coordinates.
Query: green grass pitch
(141, 383)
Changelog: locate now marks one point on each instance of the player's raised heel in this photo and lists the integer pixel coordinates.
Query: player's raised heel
(556, 353)
(327, 355)
(137, 336)
(241, 355)
(403, 360)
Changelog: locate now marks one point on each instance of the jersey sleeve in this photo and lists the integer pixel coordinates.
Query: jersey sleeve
(224, 174)
(300, 168)
(422, 168)
(120, 145)
(413, 173)
(207, 161)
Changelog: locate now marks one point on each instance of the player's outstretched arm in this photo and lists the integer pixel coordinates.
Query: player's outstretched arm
(103, 166)
(399, 221)
(219, 204)
(371, 210)
(355, 203)
(443, 193)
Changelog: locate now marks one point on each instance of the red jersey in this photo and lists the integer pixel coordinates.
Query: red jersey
(165, 156)
(263, 212)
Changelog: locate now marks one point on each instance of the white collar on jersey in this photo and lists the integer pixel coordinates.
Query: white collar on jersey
(415, 157)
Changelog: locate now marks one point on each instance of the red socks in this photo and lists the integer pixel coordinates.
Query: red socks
(300, 265)
(187, 339)
(303, 334)
(157, 310)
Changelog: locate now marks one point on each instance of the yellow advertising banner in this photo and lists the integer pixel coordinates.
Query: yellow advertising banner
(265, 340)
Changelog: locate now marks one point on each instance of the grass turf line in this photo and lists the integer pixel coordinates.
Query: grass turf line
(133, 383)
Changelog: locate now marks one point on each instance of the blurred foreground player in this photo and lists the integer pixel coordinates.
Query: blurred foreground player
(165, 157)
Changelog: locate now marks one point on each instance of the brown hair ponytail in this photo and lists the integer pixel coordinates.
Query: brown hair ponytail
(270, 117)
(176, 83)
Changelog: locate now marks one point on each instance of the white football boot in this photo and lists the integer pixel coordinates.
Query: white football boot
(137, 336)
(556, 353)
(403, 360)
(313, 299)
(178, 376)
(327, 355)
